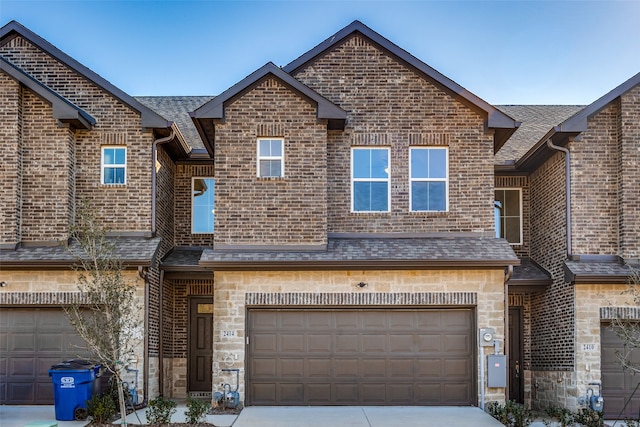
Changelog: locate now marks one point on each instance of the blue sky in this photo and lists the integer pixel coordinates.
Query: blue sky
(506, 52)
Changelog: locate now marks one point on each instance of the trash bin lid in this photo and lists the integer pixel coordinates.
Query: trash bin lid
(71, 365)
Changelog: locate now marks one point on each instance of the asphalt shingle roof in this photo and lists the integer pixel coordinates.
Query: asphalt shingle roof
(536, 120)
(416, 252)
(182, 257)
(176, 109)
(594, 272)
(130, 250)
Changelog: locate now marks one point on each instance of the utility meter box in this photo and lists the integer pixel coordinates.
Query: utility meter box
(497, 370)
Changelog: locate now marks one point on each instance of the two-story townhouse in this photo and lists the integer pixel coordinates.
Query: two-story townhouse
(328, 228)
(581, 181)
(68, 135)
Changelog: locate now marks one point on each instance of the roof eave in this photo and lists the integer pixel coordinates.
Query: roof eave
(149, 118)
(355, 264)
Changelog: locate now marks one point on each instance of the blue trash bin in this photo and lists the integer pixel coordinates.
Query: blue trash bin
(72, 387)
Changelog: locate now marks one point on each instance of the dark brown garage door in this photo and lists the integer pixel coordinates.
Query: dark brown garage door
(361, 357)
(31, 340)
(617, 386)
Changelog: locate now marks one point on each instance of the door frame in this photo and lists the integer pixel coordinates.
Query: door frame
(516, 354)
(192, 302)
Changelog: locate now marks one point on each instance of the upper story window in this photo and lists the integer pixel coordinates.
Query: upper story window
(202, 205)
(113, 168)
(508, 214)
(270, 157)
(429, 172)
(370, 189)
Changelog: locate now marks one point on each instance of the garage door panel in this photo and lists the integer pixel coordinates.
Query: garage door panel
(617, 385)
(22, 341)
(363, 356)
(23, 367)
(264, 343)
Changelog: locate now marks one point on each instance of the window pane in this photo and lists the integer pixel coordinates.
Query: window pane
(419, 159)
(379, 163)
(270, 168)
(437, 196)
(109, 176)
(119, 175)
(361, 163)
(437, 163)
(276, 147)
(512, 230)
(361, 196)
(512, 203)
(203, 205)
(109, 156)
(265, 147)
(379, 196)
(120, 156)
(419, 196)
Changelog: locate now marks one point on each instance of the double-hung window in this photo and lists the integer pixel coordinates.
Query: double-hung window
(370, 189)
(508, 214)
(113, 169)
(202, 205)
(429, 172)
(270, 157)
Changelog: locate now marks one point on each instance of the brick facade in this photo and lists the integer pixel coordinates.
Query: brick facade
(11, 166)
(182, 205)
(389, 104)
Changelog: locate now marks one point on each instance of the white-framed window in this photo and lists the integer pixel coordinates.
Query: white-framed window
(202, 205)
(429, 179)
(370, 179)
(113, 165)
(270, 157)
(508, 214)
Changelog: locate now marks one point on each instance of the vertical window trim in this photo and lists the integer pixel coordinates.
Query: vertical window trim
(193, 210)
(445, 179)
(387, 180)
(520, 213)
(103, 166)
(280, 158)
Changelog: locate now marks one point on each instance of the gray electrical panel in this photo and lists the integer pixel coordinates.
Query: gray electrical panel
(497, 371)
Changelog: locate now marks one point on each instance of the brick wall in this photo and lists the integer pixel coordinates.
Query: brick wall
(552, 345)
(11, 165)
(278, 211)
(389, 104)
(183, 190)
(629, 196)
(126, 207)
(165, 196)
(594, 186)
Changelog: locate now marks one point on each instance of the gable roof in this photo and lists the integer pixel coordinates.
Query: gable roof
(536, 120)
(150, 119)
(503, 125)
(214, 109)
(63, 109)
(572, 126)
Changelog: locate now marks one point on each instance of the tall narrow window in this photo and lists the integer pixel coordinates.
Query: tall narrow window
(429, 178)
(508, 206)
(113, 169)
(202, 206)
(370, 179)
(270, 157)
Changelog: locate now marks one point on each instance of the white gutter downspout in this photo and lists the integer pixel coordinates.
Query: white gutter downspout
(567, 163)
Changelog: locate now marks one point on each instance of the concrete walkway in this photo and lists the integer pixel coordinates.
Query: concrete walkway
(365, 416)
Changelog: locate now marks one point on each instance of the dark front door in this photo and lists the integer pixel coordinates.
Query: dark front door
(516, 380)
(200, 343)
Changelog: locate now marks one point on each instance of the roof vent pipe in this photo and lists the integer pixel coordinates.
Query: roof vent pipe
(567, 166)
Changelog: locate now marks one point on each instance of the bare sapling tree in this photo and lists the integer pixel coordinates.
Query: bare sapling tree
(628, 327)
(107, 313)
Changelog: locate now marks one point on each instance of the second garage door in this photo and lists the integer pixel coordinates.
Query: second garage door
(361, 357)
(617, 385)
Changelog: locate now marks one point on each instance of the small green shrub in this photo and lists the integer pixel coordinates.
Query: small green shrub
(511, 414)
(589, 418)
(561, 415)
(196, 410)
(101, 408)
(160, 410)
